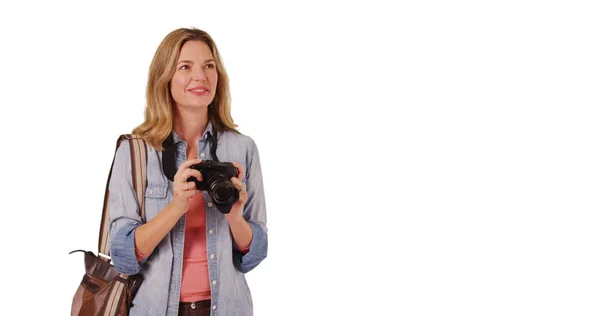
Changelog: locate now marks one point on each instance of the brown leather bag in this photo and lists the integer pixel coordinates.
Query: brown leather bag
(104, 291)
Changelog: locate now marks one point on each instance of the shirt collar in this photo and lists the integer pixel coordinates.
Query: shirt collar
(177, 138)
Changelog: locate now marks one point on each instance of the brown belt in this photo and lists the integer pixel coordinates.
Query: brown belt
(194, 308)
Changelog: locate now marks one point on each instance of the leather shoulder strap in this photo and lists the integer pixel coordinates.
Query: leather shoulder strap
(139, 161)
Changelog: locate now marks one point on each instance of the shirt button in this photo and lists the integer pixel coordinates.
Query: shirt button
(202, 155)
(214, 282)
(210, 231)
(150, 191)
(212, 256)
(209, 204)
(214, 307)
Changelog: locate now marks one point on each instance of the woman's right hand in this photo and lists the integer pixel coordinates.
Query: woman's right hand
(182, 189)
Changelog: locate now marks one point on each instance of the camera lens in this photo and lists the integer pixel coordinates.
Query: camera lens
(224, 192)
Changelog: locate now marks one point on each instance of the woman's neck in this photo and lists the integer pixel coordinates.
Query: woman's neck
(190, 125)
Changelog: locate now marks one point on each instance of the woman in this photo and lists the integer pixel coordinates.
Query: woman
(192, 256)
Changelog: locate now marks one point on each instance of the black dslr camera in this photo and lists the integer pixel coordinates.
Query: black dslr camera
(215, 180)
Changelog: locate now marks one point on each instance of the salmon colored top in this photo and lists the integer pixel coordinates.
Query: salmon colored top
(195, 285)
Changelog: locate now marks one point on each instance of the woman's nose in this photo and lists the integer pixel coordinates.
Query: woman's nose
(198, 74)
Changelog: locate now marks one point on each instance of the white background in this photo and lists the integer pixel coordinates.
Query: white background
(419, 158)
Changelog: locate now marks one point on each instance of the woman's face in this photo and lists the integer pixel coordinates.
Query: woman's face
(194, 83)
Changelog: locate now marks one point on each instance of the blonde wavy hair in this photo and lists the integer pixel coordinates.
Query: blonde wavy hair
(158, 116)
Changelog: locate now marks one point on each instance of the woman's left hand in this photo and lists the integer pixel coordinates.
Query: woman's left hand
(238, 207)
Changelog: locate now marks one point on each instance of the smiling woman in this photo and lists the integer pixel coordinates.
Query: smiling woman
(192, 252)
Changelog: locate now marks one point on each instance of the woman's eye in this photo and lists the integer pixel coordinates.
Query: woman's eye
(210, 66)
(184, 67)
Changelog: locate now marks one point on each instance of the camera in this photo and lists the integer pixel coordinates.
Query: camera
(215, 180)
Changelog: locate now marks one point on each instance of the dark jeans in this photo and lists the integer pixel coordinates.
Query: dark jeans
(200, 308)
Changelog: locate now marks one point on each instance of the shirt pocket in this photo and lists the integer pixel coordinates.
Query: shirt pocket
(156, 198)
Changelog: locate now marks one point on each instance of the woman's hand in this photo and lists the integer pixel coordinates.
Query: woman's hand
(240, 229)
(238, 207)
(182, 189)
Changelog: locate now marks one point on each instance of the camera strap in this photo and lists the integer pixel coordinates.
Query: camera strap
(213, 145)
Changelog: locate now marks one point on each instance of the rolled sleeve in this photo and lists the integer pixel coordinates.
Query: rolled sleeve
(123, 250)
(124, 214)
(257, 252)
(255, 213)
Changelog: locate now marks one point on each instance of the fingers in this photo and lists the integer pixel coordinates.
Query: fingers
(188, 186)
(185, 172)
(240, 169)
(181, 181)
(241, 187)
(188, 163)
(179, 188)
(185, 189)
(182, 188)
(238, 183)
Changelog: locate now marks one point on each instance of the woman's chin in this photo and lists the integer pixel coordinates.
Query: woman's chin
(194, 105)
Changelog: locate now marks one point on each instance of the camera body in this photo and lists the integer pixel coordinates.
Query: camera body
(215, 180)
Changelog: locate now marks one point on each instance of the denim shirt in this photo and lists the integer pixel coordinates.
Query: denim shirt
(160, 291)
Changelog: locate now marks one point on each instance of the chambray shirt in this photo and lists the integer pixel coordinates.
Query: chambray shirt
(160, 291)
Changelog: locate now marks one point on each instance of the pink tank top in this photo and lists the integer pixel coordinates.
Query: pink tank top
(195, 284)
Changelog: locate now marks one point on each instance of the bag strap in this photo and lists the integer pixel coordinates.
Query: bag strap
(139, 161)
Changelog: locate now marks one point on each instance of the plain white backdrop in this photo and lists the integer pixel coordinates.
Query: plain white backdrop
(419, 157)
